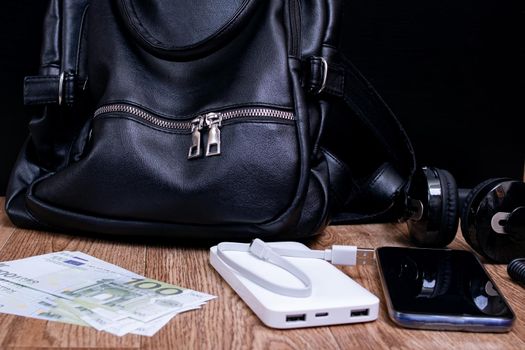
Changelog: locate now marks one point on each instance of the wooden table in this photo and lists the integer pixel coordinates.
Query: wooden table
(226, 322)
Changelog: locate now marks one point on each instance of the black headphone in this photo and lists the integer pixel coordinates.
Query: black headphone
(492, 214)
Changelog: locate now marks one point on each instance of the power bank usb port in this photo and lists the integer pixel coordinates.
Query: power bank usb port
(360, 312)
(295, 318)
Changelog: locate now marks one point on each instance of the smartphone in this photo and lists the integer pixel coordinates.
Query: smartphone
(441, 289)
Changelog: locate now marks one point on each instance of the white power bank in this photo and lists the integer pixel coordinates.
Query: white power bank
(335, 298)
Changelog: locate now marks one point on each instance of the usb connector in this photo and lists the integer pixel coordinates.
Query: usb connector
(365, 256)
(349, 255)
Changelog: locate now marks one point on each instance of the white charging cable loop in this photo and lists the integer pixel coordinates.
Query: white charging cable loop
(265, 252)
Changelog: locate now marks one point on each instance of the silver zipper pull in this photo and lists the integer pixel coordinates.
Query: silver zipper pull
(213, 146)
(195, 148)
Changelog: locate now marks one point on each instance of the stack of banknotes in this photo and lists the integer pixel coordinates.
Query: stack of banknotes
(75, 288)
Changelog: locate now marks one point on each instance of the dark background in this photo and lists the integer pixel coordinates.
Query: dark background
(452, 71)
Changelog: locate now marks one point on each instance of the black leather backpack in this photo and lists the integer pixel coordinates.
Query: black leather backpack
(227, 119)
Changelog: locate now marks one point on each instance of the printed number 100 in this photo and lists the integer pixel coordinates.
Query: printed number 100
(155, 286)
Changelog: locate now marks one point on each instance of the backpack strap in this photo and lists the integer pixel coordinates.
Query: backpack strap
(61, 78)
(338, 78)
(52, 89)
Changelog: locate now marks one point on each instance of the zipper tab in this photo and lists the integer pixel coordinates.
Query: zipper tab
(195, 148)
(213, 146)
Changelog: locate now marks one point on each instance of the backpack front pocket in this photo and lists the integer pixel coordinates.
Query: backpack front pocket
(231, 166)
(182, 29)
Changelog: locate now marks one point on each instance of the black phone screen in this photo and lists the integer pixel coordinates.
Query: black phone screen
(439, 282)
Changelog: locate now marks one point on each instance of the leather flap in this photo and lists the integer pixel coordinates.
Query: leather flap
(185, 28)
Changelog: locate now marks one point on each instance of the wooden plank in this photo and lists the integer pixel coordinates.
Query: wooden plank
(226, 322)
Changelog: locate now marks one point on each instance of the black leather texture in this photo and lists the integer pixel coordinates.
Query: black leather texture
(203, 119)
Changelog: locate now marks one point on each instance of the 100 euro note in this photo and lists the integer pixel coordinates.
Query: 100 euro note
(22, 301)
(111, 294)
(103, 295)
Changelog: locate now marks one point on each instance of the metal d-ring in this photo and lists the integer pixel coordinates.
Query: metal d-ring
(325, 74)
(61, 87)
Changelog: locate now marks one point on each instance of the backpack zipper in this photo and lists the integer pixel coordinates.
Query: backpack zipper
(209, 121)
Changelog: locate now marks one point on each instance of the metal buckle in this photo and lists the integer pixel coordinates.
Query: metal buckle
(61, 80)
(324, 65)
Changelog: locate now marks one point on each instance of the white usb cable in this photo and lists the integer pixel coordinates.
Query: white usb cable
(338, 255)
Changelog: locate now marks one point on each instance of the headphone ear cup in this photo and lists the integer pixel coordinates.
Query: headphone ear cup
(469, 212)
(450, 207)
(438, 225)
